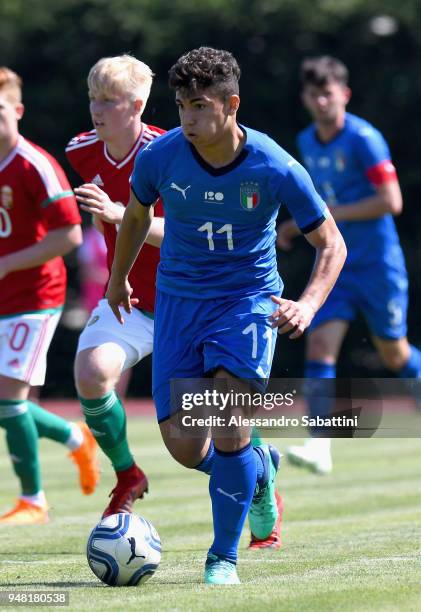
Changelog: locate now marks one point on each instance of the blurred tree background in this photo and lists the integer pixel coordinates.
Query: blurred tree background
(53, 44)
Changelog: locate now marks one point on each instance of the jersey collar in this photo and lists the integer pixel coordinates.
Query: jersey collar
(122, 162)
(224, 169)
(337, 135)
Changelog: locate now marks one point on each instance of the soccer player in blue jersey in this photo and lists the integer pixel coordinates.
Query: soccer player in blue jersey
(349, 162)
(218, 301)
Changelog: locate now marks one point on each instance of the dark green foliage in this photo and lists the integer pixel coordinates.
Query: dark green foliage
(53, 44)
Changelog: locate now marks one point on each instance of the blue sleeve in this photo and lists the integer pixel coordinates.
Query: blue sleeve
(297, 192)
(144, 179)
(371, 148)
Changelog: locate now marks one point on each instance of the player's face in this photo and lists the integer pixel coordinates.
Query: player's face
(326, 103)
(10, 113)
(204, 116)
(112, 113)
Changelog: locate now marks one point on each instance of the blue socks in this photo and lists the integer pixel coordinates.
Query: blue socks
(207, 462)
(320, 394)
(231, 487)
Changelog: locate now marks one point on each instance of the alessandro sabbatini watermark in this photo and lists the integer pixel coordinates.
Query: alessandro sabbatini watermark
(291, 407)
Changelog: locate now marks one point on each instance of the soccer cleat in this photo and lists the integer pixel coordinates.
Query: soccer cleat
(263, 513)
(85, 457)
(314, 455)
(132, 484)
(220, 571)
(25, 513)
(274, 539)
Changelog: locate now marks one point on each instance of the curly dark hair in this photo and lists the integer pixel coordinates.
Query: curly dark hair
(321, 70)
(203, 68)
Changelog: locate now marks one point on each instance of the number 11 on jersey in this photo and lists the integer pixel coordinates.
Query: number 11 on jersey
(208, 228)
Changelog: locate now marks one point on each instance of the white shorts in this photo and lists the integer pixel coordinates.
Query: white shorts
(135, 337)
(24, 343)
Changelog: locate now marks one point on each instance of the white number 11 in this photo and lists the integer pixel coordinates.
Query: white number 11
(252, 329)
(208, 228)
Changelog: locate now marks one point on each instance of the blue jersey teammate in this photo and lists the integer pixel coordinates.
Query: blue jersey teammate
(349, 162)
(218, 301)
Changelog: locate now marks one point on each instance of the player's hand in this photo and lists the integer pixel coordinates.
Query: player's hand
(291, 315)
(5, 267)
(120, 294)
(93, 200)
(286, 232)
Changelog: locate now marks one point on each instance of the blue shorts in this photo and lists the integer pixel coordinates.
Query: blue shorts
(379, 293)
(194, 337)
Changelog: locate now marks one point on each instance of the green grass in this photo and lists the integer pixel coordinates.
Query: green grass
(352, 540)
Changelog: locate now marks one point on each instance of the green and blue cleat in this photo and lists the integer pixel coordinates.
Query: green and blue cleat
(219, 571)
(265, 514)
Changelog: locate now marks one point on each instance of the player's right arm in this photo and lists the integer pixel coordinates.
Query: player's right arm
(134, 228)
(94, 200)
(57, 242)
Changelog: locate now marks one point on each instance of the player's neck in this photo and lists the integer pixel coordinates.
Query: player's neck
(225, 150)
(328, 131)
(120, 146)
(7, 145)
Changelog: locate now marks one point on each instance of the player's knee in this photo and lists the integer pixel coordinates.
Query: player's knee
(185, 456)
(186, 452)
(92, 382)
(318, 348)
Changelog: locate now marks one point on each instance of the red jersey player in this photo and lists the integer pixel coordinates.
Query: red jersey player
(118, 90)
(39, 222)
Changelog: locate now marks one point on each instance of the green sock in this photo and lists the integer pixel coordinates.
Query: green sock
(256, 440)
(22, 442)
(50, 425)
(106, 419)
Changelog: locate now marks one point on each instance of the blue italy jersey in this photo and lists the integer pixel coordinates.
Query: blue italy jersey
(220, 223)
(347, 169)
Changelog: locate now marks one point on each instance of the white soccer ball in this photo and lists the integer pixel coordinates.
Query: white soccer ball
(124, 550)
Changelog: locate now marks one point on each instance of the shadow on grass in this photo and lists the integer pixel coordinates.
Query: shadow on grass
(61, 585)
(14, 553)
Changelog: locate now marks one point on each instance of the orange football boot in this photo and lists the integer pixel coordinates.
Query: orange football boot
(85, 457)
(25, 513)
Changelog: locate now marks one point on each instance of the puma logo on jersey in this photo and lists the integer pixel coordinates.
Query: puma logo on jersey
(180, 189)
(97, 180)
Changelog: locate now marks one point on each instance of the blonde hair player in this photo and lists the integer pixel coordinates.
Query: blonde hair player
(118, 89)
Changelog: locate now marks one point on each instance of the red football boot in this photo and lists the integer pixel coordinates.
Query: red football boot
(132, 484)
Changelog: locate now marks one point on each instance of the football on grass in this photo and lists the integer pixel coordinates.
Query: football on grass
(124, 550)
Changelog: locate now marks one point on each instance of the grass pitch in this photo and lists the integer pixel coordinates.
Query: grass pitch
(352, 540)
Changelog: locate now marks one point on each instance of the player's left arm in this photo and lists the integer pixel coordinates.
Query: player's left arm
(57, 242)
(310, 214)
(373, 155)
(330, 258)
